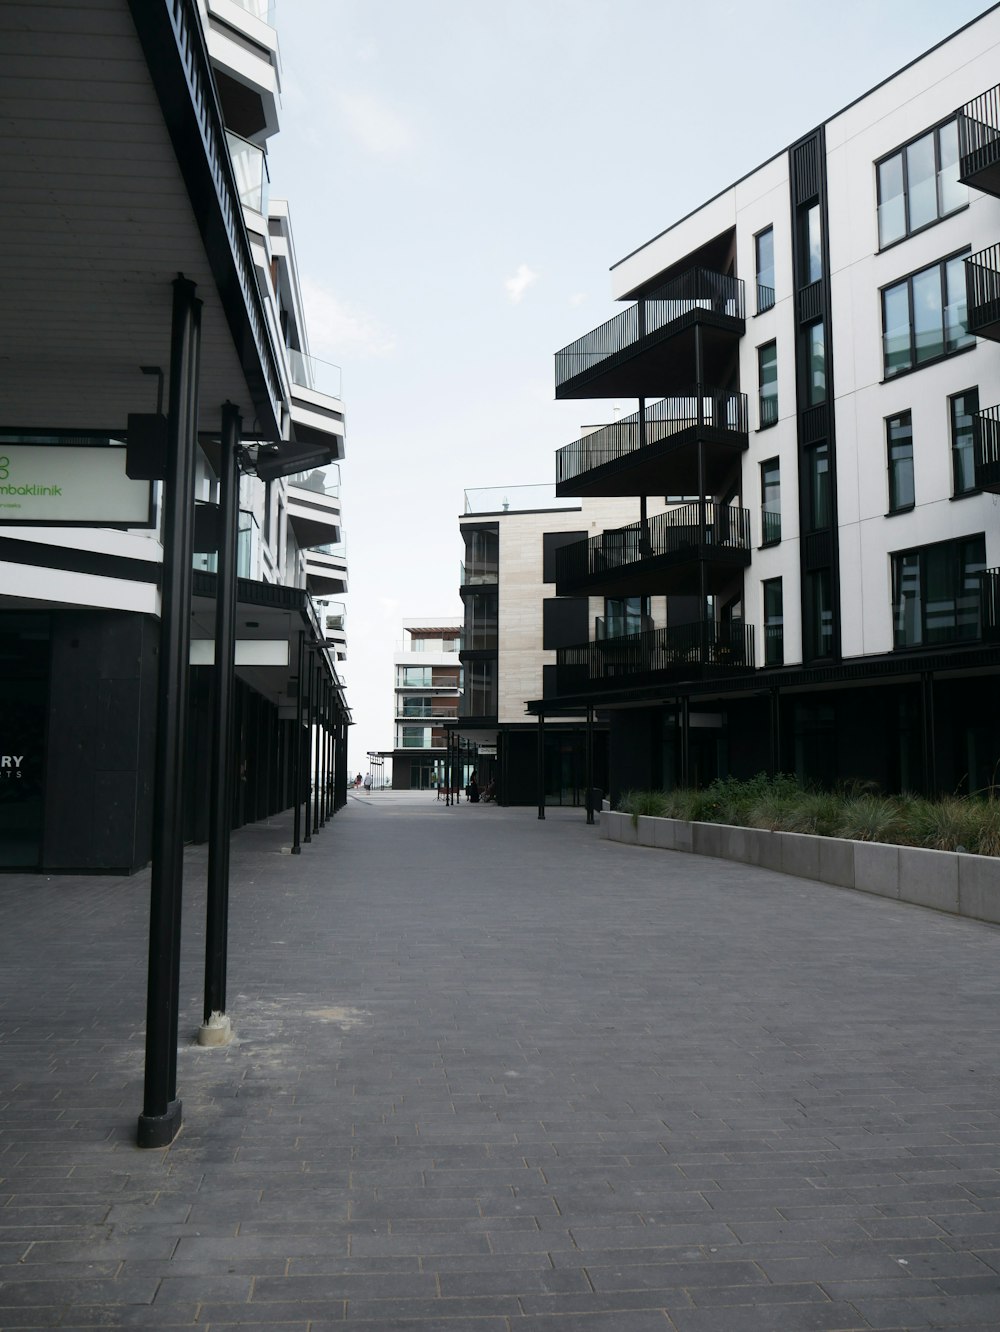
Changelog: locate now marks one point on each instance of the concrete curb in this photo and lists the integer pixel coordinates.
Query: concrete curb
(951, 881)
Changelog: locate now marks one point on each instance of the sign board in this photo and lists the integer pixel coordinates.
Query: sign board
(65, 485)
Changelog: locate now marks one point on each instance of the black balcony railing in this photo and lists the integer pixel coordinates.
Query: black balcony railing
(689, 650)
(698, 289)
(765, 298)
(986, 448)
(677, 531)
(702, 408)
(768, 407)
(979, 141)
(982, 283)
(770, 527)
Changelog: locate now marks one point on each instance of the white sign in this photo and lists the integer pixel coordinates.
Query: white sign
(64, 483)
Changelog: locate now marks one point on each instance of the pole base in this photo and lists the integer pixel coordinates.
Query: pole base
(218, 1030)
(159, 1130)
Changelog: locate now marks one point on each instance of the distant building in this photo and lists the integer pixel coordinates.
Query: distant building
(427, 676)
(515, 625)
(813, 358)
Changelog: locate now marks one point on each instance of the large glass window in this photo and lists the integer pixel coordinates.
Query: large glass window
(812, 245)
(815, 364)
(962, 409)
(415, 677)
(480, 696)
(764, 245)
(935, 592)
(482, 555)
(899, 448)
(918, 184)
(820, 495)
(774, 623)
(818, 627)
(924, 317)
(480, 621)
(770, 502)
(624, 615)
(767, 381)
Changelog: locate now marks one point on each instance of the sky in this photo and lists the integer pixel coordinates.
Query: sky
(461, 176)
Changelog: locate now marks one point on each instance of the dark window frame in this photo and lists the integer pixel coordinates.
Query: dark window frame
(927, 604)
(895, 506)
(770, 519)
(942, 266)
(764, 419)
(774, 643)
(900, 151)
(956, 493)
(766, 301)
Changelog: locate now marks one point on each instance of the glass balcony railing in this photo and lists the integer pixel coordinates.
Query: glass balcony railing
(323, 480)
(250, 168)
(336, 550)
(260, 9)
(309, 373)
(516, 499)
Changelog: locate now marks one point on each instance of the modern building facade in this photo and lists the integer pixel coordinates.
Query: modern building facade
(427, 684)
(516, 625)
(812, 357)
(160, 337)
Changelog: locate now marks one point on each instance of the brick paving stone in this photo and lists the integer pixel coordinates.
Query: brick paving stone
(615, 1089)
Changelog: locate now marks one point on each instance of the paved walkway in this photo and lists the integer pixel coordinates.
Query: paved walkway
(497, 1075)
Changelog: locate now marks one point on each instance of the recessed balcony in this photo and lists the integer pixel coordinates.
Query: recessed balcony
(665, 554)
(986, 449)
(982, 286)
(650, 348)
(979, 142)
(686, 652)
(659, 450)
(326, 570)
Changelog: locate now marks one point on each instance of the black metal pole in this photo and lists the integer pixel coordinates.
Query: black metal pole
(317, 724)
(305, 740)
(541, 765)
(590, 763)
(297, 752)
(215, 1029)
(927, 732)
(161, 1113)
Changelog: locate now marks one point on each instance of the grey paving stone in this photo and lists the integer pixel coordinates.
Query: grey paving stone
(544, 1059)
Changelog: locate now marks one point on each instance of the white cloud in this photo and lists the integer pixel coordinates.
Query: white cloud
(519, 283)
(338, 330)
(375, 126)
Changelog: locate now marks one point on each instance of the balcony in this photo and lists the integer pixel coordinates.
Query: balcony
(316, 406)
(314, 507)
(663, 555)
(477, 574)
(687, 652)
(326, 570)
(989, 597)
(659, 450)
(250, 169)
(979, 142)
(982, 286)
(650, 347)
(334, 620)
(986, 449)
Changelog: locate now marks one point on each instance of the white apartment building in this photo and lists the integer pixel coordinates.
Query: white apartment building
(154, 295)
(427, 684)
(812, 354)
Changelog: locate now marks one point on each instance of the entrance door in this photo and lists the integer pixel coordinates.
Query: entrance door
(24, 691)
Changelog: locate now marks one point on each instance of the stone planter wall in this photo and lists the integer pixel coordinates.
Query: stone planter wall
(952, 881)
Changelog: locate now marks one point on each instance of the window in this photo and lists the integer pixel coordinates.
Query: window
(624, 615)
(815, 336)
(565, 621)
(962, 408)
(924, 317)
(480, 622)
(764, 243)
(935, 592)
(551, 542)
(415, 677)
(899, 447)
(767, 381)
(774, 623)
(482, 555)
(820, 497)
(812, 246)
(480, 696)
(919, 184)
(770, 502)
(818, 627)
